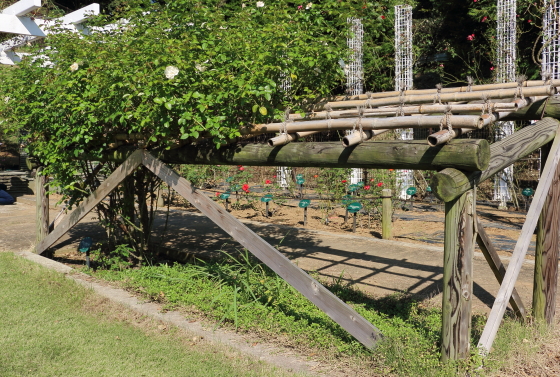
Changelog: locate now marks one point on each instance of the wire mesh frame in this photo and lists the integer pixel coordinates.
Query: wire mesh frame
(551, 40)
(403, 80)
(354, 73)
(506, 36)
(283, 173)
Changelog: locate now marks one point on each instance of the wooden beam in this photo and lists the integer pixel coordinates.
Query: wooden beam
(459, 241)
(465, 154)
(42, 207)
(88, 204)
(520, 250)
(546, 254)
(497, 267)
(344, 315)
(450, 183)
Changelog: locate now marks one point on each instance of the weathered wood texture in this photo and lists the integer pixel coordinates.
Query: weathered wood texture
(469, 155)
(538, 109)
(497, 267)
(450, 183)
(341, 313)
(42, 207)
(459, 241)
(387, 216)
(546, 254)
(520, 250)
(87, 205)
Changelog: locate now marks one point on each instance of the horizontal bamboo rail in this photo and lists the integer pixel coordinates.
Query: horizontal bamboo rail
(464, 154)
(461, 89)
(443, 97)
(449, 183)
(288, 138)
(469, 108)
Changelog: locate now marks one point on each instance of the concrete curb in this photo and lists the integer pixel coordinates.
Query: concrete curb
(276, 356)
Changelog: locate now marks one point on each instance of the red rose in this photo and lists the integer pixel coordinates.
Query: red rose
(217, 194)
(245, 187)
(268, 182)
(315, 176)
(367, 187)
(380, 184)
(372, 180)
(241, 168)
(273, 176)
(382, 17)
(344, 181)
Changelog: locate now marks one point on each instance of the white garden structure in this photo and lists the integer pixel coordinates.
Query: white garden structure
(28, 29)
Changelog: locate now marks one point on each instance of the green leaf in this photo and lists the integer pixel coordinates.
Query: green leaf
(168, 105)
(255, 108)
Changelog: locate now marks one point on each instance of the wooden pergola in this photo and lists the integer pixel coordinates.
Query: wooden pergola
(462, 164)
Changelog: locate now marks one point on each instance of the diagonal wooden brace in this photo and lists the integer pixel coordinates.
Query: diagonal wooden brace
(341, 313)
(520, 250)
(87, 205)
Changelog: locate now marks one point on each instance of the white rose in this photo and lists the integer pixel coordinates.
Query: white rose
(74, 67)
(260, 4)
(171, 72)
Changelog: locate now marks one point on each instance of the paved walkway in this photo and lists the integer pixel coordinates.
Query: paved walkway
(377, 266)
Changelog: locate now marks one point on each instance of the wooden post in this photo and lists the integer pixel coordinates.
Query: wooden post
(42, 207)
(460, 234)
(520, 250)
(493, 259)
(546, 254)
(387, 215)
(305, 216)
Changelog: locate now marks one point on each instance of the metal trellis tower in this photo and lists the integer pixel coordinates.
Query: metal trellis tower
(505, 72)
(403, 78)
(354, 72)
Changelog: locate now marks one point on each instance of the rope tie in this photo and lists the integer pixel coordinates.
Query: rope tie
(328, 108)
(488, 107)
(437, 98)
(547, 76)
(519, 91)
(400, 109)
(470, 82)
(359, 121)
(368, 101)
(446, 120)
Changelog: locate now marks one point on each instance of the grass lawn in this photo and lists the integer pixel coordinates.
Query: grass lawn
(50, 326)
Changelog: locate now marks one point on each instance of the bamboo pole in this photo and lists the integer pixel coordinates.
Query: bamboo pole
(459, 238)
(284, 139)
(461, 89)
(445, 136)
(358, 137)
(462, 121)
(546, 90)
(474, 108)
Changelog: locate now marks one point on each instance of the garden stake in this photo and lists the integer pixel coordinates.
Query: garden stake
(87, 259)
(305, 216)
(267, 209)
(227, 205)
(354, 226)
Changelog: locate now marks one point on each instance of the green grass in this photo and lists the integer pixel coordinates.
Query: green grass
(50, 326)
(243, 294)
